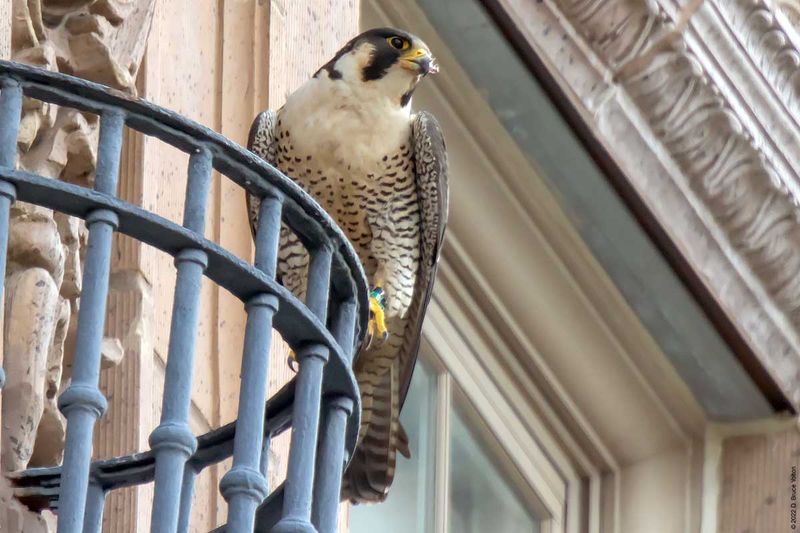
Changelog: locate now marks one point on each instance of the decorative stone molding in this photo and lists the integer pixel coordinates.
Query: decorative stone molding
(697, 103)
(791, 8)
(771, 41)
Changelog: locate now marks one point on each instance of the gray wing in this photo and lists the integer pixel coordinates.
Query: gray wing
(430, 162)
(372, 468)
(263, 142)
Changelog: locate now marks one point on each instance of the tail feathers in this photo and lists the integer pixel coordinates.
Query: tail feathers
(402, 440)
(371, 471)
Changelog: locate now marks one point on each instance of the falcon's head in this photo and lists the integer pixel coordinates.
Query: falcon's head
(387, 61)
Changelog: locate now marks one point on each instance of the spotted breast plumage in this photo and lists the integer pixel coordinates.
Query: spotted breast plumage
(348, 138)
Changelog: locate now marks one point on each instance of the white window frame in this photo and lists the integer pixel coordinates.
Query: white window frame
(457, 353)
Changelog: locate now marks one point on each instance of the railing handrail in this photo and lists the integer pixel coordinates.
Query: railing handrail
(229, 158)
(38, 487)
(224, 268)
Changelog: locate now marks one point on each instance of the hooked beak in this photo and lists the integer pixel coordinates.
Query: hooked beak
(419, 61)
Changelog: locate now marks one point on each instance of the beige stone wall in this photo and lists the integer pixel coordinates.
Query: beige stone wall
(5, 29)
(758, 476)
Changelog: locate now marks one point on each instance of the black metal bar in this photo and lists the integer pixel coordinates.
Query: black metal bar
(293, 319)
(331, 455)
(173, 441)
(238, 164)
(95, 502)
(187, 491)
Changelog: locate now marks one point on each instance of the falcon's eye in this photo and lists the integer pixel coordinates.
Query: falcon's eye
(399, 43)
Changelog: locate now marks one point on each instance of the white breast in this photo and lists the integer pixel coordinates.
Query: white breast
(347, 127)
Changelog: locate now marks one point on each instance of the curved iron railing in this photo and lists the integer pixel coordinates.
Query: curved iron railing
(321, 403)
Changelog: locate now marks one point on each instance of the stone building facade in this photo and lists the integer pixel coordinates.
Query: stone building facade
(604, 414)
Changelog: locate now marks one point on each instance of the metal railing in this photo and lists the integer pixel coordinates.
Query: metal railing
(321, 403)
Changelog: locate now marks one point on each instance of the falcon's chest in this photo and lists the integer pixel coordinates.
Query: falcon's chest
(340, 132)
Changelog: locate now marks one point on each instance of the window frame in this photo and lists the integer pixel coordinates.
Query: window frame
(451, 397)
(461, 379)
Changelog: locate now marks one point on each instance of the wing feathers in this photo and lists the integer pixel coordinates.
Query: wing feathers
(430, 160)
(262, 141)
(372, 468)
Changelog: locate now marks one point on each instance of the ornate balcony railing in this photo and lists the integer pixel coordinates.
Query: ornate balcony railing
(321, 403)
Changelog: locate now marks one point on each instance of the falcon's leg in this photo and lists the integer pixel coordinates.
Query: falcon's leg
(377, 320)
(395, 250)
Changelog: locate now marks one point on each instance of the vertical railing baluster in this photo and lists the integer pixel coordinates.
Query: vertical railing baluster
(244, 486)
(83, 403)
(268, 234)
(95, 501)
(173, 441)
(331, 459)
(187, 491)
(311, 359)
(10, 113)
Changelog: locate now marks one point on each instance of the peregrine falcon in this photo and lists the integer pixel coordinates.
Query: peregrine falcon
(348, 138)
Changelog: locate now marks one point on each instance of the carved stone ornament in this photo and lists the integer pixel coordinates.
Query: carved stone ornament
(99, 40)
(791, 8)
(698, 102)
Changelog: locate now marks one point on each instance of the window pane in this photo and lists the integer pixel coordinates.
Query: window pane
(481, 499)
(409, 507)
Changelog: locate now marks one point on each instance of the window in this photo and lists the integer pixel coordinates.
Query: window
(458, 479)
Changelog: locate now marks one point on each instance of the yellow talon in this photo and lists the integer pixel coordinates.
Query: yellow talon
(292, 361)
(377, 321)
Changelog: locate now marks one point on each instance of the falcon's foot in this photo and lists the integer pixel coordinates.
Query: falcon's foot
(292, 361)
(377, 319)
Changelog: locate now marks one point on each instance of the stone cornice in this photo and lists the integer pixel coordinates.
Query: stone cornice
(697, 103)
(771, 43)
